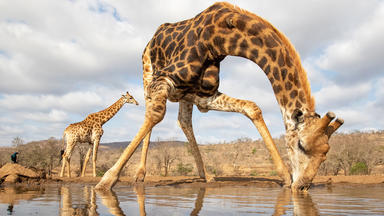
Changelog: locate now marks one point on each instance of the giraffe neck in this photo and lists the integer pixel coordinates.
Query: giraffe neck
(241, 33)
(108, 113)
(288, 79)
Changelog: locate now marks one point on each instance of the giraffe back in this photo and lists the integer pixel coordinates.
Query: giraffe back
(79, 132)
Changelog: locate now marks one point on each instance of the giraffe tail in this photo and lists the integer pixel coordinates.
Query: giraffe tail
(62, 150)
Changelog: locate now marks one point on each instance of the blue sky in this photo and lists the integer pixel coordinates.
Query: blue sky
(61, 60)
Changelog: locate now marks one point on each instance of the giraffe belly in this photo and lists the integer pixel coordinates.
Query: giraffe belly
(191, 94)
(205, 86)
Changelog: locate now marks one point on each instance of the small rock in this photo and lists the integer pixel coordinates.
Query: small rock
(13, 178)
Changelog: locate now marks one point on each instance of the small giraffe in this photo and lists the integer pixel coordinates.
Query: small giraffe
(181, 63)
(90, 131)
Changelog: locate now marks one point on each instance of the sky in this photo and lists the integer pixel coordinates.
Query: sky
(62, 60)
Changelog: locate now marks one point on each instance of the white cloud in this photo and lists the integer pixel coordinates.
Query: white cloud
(311, 25)
(358, 56)
(73, 46)
(6, 130)
(333, 95)
(72, 101)
(53, 116)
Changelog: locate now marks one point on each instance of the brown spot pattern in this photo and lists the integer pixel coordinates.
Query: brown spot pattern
(293, 94)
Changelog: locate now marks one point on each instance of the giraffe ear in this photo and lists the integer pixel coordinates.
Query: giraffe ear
(297, 116)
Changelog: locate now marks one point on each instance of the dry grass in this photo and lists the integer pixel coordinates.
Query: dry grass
(242, 157)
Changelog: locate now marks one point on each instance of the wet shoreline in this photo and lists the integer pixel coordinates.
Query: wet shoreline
(194, 181)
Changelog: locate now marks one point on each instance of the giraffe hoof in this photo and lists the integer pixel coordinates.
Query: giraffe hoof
(210, 179)
(139, 177)
(287, 182)
(104, 186)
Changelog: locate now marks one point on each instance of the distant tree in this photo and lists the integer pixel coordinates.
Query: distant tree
(17, 141)
(165, 156)
(44, 154)
(349, 150)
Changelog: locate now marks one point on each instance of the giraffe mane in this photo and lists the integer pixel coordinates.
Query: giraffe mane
(291, 50)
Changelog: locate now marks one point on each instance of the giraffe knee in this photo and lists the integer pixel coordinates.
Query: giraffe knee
(157, 104)
(252, 111)
(156, 112)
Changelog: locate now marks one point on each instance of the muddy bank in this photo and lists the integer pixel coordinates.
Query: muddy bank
(261, 181)
(229, 180)
(15, 173)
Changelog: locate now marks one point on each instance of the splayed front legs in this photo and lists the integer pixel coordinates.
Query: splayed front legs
(222, 102)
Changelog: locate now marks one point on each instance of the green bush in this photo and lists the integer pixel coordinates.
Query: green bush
(254, 151)
(184, 169)
(359, 168)
(273, 173)
(254, 173)
(101, 170)
(214, 171)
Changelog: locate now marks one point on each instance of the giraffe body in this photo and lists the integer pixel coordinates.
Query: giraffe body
(181, 63)
(89, 131)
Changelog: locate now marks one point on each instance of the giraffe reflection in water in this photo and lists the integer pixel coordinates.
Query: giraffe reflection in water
(302, 202)
(87, 201)
(110, 200)
(67, 206)
(12, 195)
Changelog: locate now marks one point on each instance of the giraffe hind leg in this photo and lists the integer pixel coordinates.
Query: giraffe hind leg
(222, 102)
(94, 155)
(185, 122)
(66, 158)
(87, 156)
(141, 171)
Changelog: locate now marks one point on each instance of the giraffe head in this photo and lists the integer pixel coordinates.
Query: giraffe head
(308, 145)
(129, 99)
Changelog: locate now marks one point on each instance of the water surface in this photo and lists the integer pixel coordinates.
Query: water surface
(80, 199)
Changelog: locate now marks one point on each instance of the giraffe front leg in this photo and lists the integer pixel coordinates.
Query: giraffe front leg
(88, 155)
(111, 176)
(281, 168)
(68, 161)
(185, 122)
(94, 155)
(155, 111)
(222, 102)
(141, 171)
(63, 166)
